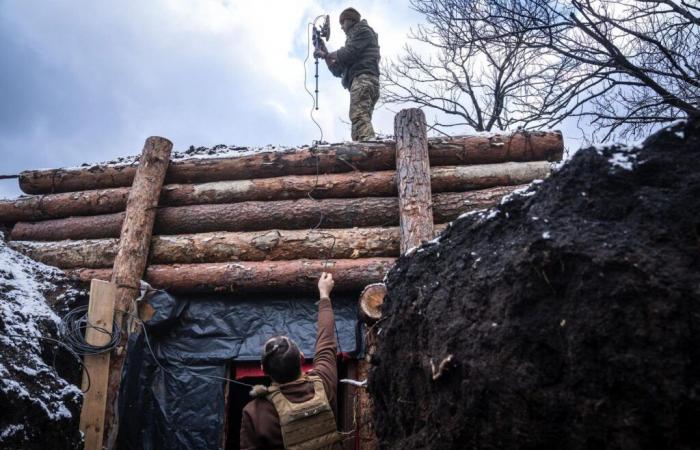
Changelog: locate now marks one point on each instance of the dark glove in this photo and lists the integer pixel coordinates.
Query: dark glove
(320, 53)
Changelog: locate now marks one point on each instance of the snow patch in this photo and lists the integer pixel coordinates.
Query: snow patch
(621, 156)
(11, 430)
(28, 321)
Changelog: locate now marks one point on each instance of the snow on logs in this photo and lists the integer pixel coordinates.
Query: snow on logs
(343, 185)
(253, 216)
(348, 275)
(246, 223)
(338, 158)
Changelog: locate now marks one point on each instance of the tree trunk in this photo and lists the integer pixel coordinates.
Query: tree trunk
(413, 178)
(224, 247)
(253, 216)
(369, 156)
(344, 185)
(51, 206)
(132, 257)
(267, 276)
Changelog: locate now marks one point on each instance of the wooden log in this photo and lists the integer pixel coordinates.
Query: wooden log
(50, 206)
(369, 156)
(96, 367)
(132, 257)
(253, 216)
(225, 247)
(371, 300)
(413, 178)
(250, 276)
(343, 185)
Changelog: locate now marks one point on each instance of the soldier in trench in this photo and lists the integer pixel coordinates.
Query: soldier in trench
(297, 410)
(357, 63)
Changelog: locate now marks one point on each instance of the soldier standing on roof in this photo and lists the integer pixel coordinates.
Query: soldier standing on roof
(358, 65)
(298, 410)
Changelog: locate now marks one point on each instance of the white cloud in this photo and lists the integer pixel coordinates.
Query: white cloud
(94, 79)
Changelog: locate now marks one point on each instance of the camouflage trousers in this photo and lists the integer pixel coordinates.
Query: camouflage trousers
(364, 94)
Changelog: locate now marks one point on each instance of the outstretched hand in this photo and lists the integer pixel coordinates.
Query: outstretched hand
(325, 285)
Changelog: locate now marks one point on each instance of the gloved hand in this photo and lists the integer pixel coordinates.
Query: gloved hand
(320, 53)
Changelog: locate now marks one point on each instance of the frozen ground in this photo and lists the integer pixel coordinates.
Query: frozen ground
(40, 406)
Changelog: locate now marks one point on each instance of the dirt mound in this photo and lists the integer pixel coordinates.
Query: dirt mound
(571, 313)
(40, 402)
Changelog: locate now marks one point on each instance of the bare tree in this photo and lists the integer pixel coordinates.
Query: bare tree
(483, 84)
(624, 66)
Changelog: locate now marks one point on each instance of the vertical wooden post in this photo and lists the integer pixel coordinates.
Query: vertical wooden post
(416, 226)
(100, 314)
(413, 178)
(130, 262)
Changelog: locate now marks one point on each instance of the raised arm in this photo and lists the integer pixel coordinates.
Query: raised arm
(326, 344)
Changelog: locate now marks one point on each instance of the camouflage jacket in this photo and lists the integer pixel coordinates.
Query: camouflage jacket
(359, 55)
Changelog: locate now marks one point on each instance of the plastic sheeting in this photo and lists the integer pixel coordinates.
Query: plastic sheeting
(176, 400)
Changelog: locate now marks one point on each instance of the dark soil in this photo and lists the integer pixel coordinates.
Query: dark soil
(572, 314)
(39, 395)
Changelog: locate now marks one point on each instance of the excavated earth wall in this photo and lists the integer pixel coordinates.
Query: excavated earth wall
(567, 317)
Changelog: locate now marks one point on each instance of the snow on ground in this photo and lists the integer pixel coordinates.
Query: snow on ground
(34, 397)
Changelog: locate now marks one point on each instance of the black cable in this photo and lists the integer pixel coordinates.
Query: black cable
(72, 331)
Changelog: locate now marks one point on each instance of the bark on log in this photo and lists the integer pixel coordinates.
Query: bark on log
(348, 275)
(369, 156)
(344, 185)
(253, 216)
(413, 178)
(225, 247)
(132, 257)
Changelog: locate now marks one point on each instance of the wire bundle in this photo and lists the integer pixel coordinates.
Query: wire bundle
(72, 330)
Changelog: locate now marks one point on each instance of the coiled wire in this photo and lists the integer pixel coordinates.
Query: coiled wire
(72, 330)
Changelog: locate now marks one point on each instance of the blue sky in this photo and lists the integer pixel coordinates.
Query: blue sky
(87, 81)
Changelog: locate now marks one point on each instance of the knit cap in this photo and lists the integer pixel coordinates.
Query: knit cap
(351, 14)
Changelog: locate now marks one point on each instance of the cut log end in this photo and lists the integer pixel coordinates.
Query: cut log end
(371, 301)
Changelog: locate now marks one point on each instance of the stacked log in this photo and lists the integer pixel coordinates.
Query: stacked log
(253, 276)
(267, 245)
(364, 156)
(253, 216)
(267, 221)
(344, 185)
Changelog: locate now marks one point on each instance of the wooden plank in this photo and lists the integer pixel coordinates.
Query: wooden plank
(100, 314)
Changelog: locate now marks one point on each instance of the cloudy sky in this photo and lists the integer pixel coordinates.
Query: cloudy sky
(87, 81)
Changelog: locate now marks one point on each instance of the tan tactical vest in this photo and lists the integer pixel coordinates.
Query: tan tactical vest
(307, 425)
